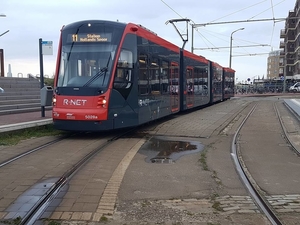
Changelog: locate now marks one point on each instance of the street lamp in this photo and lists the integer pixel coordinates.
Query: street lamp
(230, 55)
(4, 33)
(3, 15)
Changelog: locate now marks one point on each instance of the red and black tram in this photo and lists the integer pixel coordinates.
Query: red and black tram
(113, 75)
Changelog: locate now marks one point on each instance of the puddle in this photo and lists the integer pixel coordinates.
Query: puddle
(168, 150)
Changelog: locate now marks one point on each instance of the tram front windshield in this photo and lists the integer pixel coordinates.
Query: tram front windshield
(87, 57)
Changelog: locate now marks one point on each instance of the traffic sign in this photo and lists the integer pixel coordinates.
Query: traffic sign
(47, 47)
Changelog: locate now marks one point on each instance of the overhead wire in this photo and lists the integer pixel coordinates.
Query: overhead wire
(190, 20)
(206, 40)
(273, 14)
(248, 7)
(273, 22)
(171, 9)
(272, 7)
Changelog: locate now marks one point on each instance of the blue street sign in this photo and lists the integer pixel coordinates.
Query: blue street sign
(47, 47)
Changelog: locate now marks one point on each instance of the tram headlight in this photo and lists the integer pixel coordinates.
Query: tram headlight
(53, 101)
(102, 101)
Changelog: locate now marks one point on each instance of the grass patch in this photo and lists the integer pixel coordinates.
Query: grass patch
(103, 219)
(218, 181)
(54, 223)
(15, 221)
(50, 222)
(189, 213)
(14, 137)
(145, 203)
(214, 196)
(217, 206)
(203, 161)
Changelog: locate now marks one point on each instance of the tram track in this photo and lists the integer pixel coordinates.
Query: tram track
(288, 136)
(257, 193)
(33, 150)
(259, 200)
(31, 214)
(41, 205)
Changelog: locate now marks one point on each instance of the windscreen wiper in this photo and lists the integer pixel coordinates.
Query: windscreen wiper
(96, 76)
(106, 68)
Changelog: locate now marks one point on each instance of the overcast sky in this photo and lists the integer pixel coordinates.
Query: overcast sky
(29, 20)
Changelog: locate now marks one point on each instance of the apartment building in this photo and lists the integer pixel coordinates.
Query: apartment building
(289, 61)
(273, 70)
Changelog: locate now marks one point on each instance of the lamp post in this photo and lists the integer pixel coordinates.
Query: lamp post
(3, 15)
(4, 33)
(1, 53)
(230, 55)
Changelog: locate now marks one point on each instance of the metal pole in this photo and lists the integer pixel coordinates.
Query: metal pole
(285, 66)
(41, 73)
(1, 63)
(4, 33)
(230, 54)
(192, 48)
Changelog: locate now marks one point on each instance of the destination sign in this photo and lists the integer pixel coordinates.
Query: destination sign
(89, 37)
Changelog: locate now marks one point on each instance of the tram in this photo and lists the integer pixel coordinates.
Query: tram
(113, 75)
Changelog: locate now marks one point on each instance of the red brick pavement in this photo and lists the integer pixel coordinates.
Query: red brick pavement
(24, 117)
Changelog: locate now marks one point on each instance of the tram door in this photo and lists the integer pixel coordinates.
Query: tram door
(189, 92)
(174, 87)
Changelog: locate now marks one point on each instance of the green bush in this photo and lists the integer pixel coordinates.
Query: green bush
(49, 81)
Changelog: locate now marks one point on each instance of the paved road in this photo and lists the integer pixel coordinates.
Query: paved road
(198, 188)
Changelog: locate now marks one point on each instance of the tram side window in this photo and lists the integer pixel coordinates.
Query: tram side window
(189, 81)
(154, 76)
(217, 78)
(123, 76)
(143, 82)
(164, 77)
(174, 81)
(204, 80)
(196, 81)
(200, 85)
